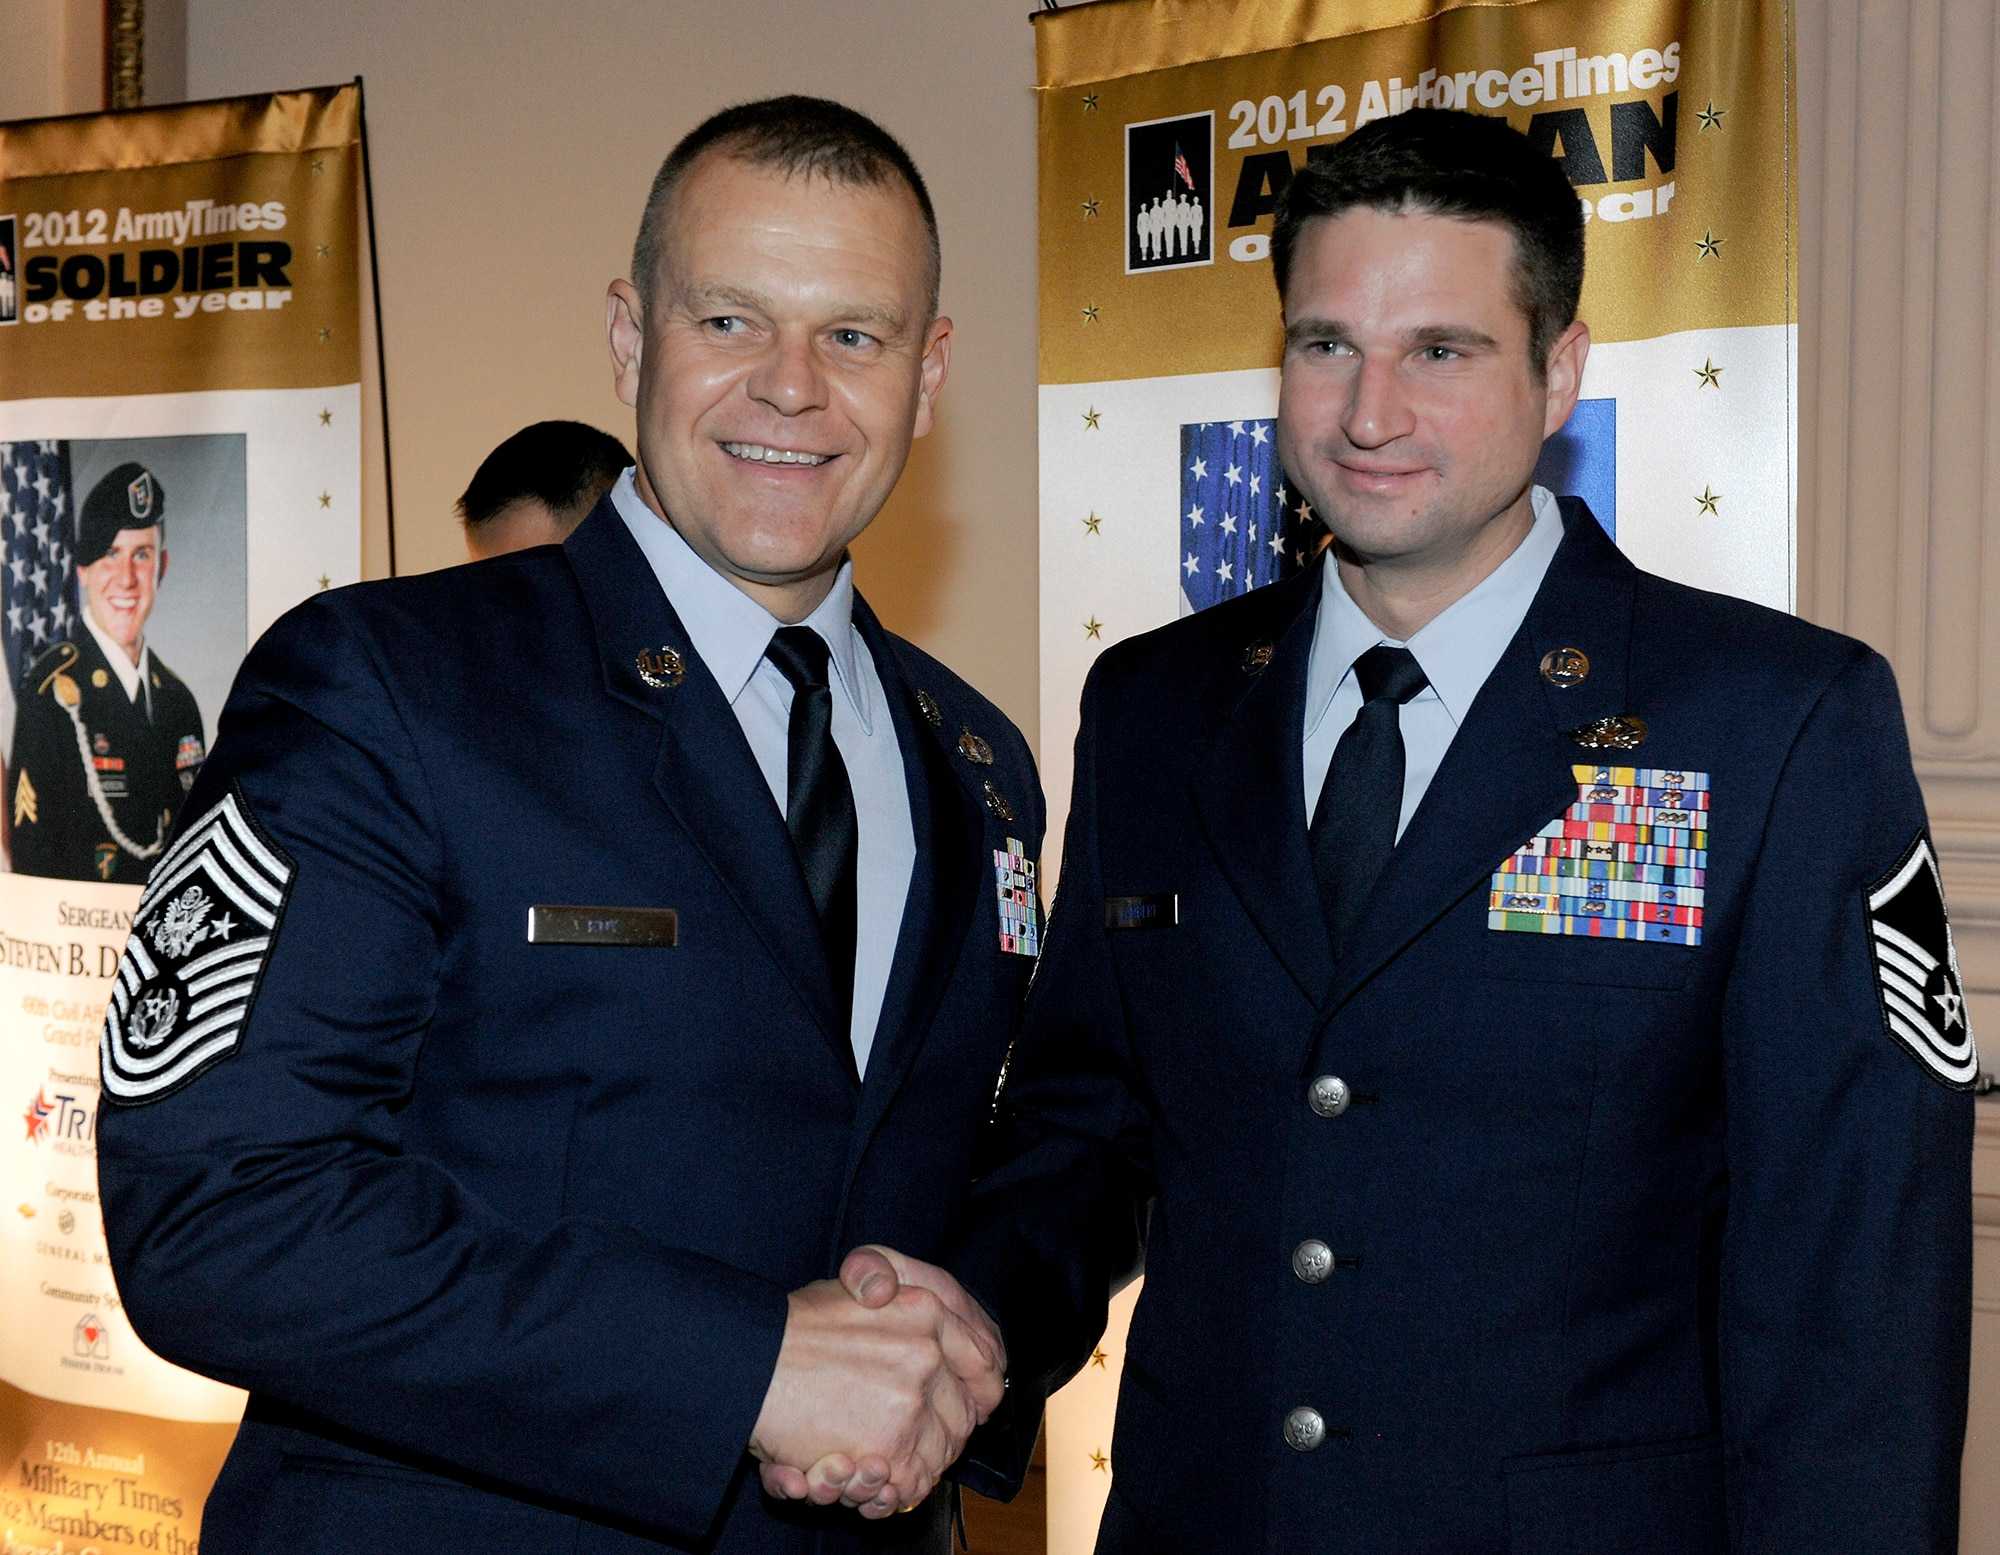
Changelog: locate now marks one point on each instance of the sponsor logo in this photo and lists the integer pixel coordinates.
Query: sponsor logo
(38, 1114)
(93, 1342)
(67, 1124)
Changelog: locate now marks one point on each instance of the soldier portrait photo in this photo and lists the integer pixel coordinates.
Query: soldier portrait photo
(107, 737)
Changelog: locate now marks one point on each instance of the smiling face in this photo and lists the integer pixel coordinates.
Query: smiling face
(1411, 412)
(119, 587)
(786, 361)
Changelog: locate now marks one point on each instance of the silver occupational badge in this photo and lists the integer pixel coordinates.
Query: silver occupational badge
(199, 941)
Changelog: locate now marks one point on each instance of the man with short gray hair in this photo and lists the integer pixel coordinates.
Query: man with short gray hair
(619, 933)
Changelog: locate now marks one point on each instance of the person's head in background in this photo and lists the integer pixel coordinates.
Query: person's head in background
(538, 486)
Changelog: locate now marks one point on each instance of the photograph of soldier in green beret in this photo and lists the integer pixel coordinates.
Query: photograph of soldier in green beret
(107, 739)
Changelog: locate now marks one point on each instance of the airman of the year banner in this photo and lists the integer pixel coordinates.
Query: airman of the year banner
(1168, 131)
(180, 462)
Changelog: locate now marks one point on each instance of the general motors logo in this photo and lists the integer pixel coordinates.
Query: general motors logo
(1170, 193)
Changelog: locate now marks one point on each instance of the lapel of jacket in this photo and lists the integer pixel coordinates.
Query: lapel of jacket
(706, 772)
(1508, 769)
(1249, 787)
(944, 885)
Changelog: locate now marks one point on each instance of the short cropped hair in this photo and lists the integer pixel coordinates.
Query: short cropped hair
(1442, 162)
(564, 465)
(794, 135)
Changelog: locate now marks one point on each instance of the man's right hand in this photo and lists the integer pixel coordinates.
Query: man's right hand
(871, 1399)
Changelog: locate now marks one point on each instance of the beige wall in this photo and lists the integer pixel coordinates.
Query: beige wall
(51, 57)
(513, 145)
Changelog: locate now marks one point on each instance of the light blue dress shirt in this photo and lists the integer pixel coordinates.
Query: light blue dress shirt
(1457, 649)
(730, 631)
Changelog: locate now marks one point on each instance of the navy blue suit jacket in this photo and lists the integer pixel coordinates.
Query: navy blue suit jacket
(497, 1234)
(1639, 1247)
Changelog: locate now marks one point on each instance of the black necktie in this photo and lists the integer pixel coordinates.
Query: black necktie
(1354, 828)
(819, 803)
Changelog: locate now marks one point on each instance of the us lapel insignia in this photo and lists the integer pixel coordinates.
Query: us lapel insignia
(1628, 860)
(1623, 733)
(660, 668)
(974, 749)
(1916, 968)
(1565, 668)
(1257, 658)
(996, 801)
(1020, 928)
(929, 708)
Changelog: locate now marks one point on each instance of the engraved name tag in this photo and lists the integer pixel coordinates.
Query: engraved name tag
(603, 926)
(1161, 910)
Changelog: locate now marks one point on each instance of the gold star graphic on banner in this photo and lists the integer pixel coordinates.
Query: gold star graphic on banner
(1098, 1358)
(1709, 374)
(1099, 1462)
(326, 499)
(326, 418)
(1090, 102)
(1707, 502)
(1708, 246)
(1092, 627)
(1090, 313)
(325, 582)
(1089, 208)
(1090, 418)
(1711, 117)
(325, 334)
(1090, 524)
(321, 250)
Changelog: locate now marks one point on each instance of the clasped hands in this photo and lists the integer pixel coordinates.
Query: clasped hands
(882, 1376)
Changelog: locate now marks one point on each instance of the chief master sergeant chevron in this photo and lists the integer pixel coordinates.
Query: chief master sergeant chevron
(1512, 991)
(565, 959)
(108, 739)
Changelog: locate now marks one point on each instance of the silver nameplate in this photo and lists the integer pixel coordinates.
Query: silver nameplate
(660, 926)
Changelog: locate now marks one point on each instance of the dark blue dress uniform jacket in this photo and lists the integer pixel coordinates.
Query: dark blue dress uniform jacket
(499, 1235)
(1640, 1249)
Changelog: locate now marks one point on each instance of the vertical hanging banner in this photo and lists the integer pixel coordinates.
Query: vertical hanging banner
(1168, 131)
(180, 462)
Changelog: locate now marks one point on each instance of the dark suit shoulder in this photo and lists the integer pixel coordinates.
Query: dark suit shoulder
(1726, 642)
(1186, 651)
(485, 617)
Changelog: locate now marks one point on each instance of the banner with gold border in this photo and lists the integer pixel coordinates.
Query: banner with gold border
(180, 462)
(1167, 131)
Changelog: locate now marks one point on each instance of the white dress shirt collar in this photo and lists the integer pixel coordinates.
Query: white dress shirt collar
(728, 628)
(1459, 646)
(131, 676)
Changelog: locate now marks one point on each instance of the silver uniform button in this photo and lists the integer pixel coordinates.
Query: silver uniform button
(1329, 1096)
(1312, 1260)
(1304, 1430)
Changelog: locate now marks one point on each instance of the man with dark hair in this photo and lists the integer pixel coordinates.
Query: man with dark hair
(566, 960)
(538, 485)
(1507, 995)
(107, 740)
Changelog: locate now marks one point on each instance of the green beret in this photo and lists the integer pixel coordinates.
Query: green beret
(128, 498)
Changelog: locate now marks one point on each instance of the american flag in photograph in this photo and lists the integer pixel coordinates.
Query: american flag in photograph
(1241, 527)
(38, 565)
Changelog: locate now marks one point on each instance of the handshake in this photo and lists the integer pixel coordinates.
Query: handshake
(882, 1376)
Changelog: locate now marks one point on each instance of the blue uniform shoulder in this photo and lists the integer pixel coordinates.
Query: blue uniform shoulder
(1185, 652)
(1726, 641)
